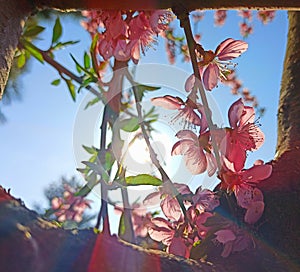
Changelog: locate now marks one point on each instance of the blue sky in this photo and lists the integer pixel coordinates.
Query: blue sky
(37, 141)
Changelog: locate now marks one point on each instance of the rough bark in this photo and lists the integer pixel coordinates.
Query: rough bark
(289, 101)
(12, 17)
(29, 243)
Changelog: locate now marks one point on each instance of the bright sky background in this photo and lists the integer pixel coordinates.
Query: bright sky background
(37, 141)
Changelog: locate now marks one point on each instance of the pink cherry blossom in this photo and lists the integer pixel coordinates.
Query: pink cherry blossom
(215, 66)
(220, 17)
(168, 202)
(205, 200)
(69, 207)
(122, 34)
(234, 239)
(245, 29)
(197, 152)
(266, 16)
(187, 110)
(244, 135)
(243, 184)
(245, 14)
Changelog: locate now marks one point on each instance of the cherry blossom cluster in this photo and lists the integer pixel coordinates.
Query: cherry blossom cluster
(232, 143)
(122, 34)
(69, 207)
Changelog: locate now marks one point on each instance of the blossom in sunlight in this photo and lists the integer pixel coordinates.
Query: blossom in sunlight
(187, 110)
(215, 65)
(161, 230)
(122, 34)
(243, 184)
(220, 17)
(168, 202)
(69, 207)
(197, 152)
(243, 134)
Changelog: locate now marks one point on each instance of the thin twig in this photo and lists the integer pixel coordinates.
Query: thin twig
(183, 15)
(165, 178)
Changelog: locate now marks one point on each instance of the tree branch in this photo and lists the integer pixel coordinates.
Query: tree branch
(164, 4)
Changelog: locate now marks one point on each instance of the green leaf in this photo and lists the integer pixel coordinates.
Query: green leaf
(71, 89)
(55, 82)
(87, 61)
(143, 179)
(141, 89)
(92, 102)
(90, 150)
(61, 45)
(122, 227)
(57, 31)
(21, 61)
(33, 31)
(129, 125)
(87, 188)
(33, 50)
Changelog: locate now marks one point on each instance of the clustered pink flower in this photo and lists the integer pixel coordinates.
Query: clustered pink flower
(266, 16)
(220, 17)
(69, 207)
(122, 34)
(214, 66)
(177, 234)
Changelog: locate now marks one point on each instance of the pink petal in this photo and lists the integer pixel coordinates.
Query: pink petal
(189, 83)
(178, 247)
(181, 147)
(248, 116)
(258, 195)
(225, 235)
(210, 76)
(195, 160)
(160, 230)
(168, 102)
(254, 212)
(204, 124)
(230, 49)
(235, 113)
(191, 116)
(257, 173)
(171, 208)
(211, 164)
(227, 249)
(152, 199)
(182, 188)
(244, 196)
(187, 134)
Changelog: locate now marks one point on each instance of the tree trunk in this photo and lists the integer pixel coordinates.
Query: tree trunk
(12, 18)
(289, 101)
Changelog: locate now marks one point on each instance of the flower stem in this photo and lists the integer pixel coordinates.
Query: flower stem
(165, 178)
(183, 16)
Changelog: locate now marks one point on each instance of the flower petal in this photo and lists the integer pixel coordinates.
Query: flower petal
(181, 147)
(195, 160)
(254, 212)
(257, 173)
(225, 235)
(171, 208)
(178, 247)
(230, 49)
(210, 76)
(189, 83)
(235, 112)
(168, 102)
(187, 134)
